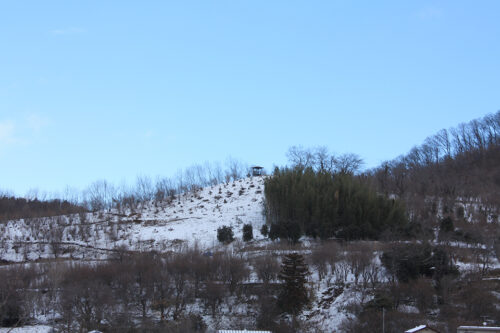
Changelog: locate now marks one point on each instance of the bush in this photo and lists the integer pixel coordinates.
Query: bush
(10, 313)
(290, 231)
(380, 301)
(411, 261)
(274, 232)
(264, 230)
(247, 232)
(11, 290)
(446, 225)
(408, 261)
(225, 234)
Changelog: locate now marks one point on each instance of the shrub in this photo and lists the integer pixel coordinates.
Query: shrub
(264, 230)
(289, 230)
(274, 232)
(410, 261)
(10, 313)
(446, 225)
(225, 234)
(380, 301)
(247, 232)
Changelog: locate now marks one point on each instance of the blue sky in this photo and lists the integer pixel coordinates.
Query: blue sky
(114, 89)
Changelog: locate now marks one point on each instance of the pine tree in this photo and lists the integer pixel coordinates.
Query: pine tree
(247, 232)
(293, 296)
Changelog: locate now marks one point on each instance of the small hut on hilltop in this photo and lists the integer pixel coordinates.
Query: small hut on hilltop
(257, 171)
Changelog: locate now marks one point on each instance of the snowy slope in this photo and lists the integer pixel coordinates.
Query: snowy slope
(188, 219)
(196, 217)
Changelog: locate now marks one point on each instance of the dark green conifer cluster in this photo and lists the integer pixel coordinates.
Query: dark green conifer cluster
(303, 201)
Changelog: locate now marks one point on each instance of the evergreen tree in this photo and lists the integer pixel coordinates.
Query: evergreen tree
(446, 224)
(293, 296)
(264, 230)
(225, 234)
(247, 232)
(324, 204)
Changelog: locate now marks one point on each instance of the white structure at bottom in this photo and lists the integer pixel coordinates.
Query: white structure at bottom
(242, 331)
(478, 329)
(421, 329)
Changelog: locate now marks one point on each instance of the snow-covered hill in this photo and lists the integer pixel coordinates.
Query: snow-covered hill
(191, 218)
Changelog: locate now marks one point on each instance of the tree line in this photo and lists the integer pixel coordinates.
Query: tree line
(16, 208)
(320, 203)
(149, 291)
(102, 194)
(183, 291)
(461, 161)
(433, 181)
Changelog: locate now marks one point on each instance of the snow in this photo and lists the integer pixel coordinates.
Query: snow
(27, 329)
(407, 308)
(197, 217)
(416, 329)
(192, 218)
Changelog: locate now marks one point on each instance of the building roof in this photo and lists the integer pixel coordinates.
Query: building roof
(420, 328)
(241, 331)
(480, 328)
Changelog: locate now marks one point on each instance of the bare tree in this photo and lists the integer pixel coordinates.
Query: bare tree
(144, 188)
(267, 268)
(162, 288)
(300, 157)
(359, 258)
(213, 295)
(164, 188)
(86, 299)
(348, 163)
(235, 169)
(372, 275)
(442, 140)
(233, 271)
(201, 175)
(190, 178)
(142, 267)
(218, 173)
(179, 270)
(179, 177)
(318, 260)
(322, 159)
(99, 195)
(55, 238)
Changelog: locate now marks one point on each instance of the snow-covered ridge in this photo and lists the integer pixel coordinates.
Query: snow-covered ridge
(190, 218)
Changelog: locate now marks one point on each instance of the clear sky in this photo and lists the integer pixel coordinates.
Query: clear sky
(113, 89)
